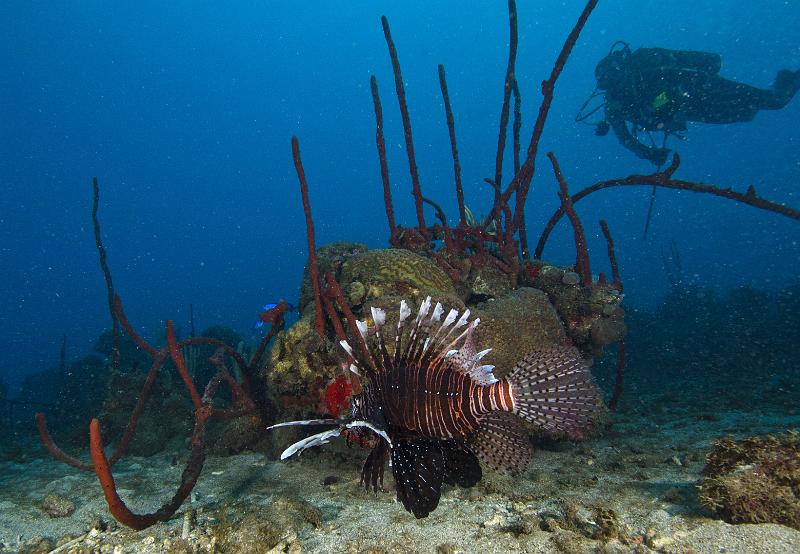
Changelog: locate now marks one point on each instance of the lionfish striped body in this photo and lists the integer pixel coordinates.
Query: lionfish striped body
(437, 410)
(432, 397)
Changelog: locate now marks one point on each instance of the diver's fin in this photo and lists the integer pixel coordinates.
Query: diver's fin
(787, 82)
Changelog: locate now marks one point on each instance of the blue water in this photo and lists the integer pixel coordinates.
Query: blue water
(184, 112)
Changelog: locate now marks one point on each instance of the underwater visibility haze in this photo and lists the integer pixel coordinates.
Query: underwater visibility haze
(537, 259)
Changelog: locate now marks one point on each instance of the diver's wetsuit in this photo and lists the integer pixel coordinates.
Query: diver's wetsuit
(660, 90)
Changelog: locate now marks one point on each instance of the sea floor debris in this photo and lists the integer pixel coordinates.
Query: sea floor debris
(632, 490)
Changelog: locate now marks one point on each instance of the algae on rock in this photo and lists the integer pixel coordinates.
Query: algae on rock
(754, 480)
(298, 357)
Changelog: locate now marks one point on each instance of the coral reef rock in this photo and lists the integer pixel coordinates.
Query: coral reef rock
(330, 257)
(57, 506)
(298, 356)
(169, 412)
(301, 365)
(394, 272)
(271, 529)
(483, 283)
(515, 325)
(592, 312)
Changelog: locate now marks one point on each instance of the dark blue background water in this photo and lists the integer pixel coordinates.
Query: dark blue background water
(184, 112)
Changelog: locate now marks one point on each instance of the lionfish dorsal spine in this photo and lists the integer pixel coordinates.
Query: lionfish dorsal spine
(379, 318)
(363, 359)
(357, 363)
(458, 324)
(435, 318)
(417, 330)
(405, 311)
(438, 310)
(441, 351)
(347, 348)
(432, 341)
(443, 328)
(362, 329)
(444, 331)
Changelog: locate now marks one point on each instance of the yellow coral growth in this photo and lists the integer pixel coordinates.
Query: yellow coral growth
(297, 355)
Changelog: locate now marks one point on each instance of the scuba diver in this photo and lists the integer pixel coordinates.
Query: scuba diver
(659, 90)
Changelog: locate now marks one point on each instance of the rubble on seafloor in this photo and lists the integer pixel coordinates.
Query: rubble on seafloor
(754, 480)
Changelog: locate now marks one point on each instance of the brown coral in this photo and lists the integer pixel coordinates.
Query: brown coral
(592, 312)
(515, 325)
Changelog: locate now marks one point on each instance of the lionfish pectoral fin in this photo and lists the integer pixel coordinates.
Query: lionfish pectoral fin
(554, 389)
(306, 422)
(461, 466)
(375, 466)
(421, 465)
(313, 440)
(372, 427)
(417, 468)
(502, 443)
(325, 436)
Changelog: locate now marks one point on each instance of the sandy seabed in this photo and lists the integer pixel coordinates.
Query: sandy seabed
(632, 490)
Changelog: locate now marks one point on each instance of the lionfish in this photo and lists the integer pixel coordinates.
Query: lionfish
(434, 410)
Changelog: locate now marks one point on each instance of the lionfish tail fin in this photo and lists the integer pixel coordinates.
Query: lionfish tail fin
(554, 389)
